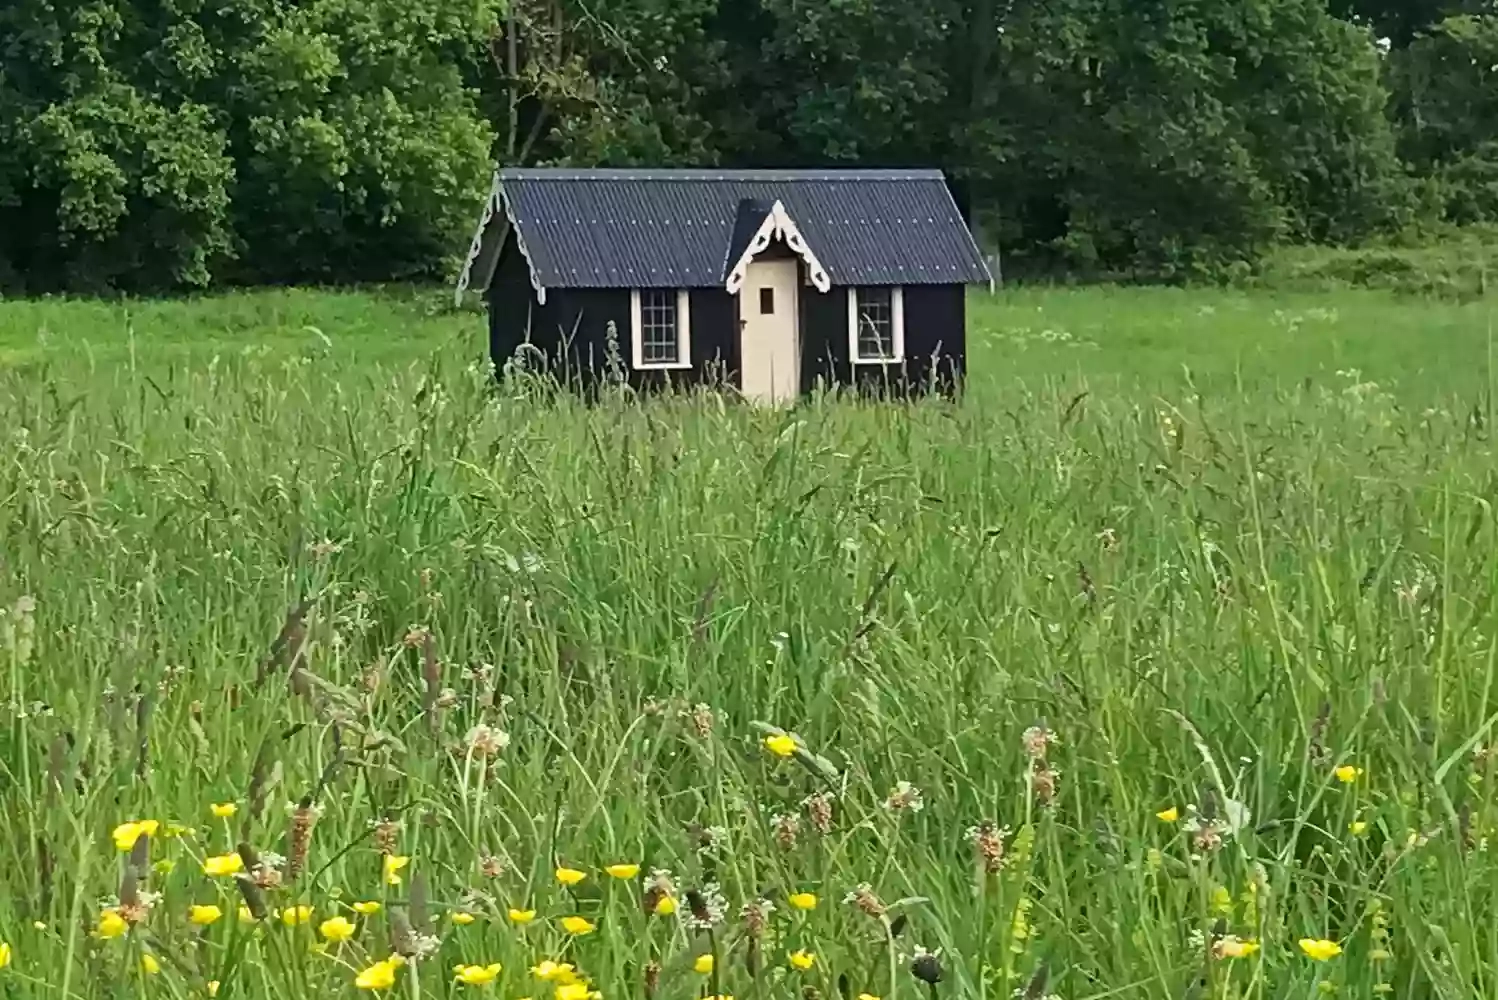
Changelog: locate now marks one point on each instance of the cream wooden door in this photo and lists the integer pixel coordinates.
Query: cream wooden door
(770, 348)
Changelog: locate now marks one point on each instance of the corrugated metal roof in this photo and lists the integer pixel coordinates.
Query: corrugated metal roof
(623, 228)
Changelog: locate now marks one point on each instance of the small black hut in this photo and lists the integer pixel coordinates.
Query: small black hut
(770, 280)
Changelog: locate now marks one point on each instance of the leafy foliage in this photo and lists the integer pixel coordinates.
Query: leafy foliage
(1448, 83)
(155, 143)
(152, 142)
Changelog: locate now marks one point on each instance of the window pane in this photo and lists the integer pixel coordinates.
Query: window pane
(876, 324)
(767, 301)
(659, 344)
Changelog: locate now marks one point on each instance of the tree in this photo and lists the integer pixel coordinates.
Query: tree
(605, 82)
(103, 180)
(156, 143)
(1447, 82)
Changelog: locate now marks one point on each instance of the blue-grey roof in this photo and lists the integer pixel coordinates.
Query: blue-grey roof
(747, 219)
(627, 228)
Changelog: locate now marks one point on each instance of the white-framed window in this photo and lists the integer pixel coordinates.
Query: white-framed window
(876, 325)
(662, 322)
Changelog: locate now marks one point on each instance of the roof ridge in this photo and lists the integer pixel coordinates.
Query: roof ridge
(712, 174)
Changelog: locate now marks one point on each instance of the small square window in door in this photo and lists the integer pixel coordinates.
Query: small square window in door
(767, 301)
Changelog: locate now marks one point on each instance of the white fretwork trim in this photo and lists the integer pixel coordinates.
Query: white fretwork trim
(778, 225)
(480, 245)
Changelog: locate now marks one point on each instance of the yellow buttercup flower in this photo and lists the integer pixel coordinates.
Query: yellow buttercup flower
(463, 918)
(5, 954)
(665, 906)
(578, 925)
(379, 976)
(703, 965)
(867, 996)
(111, 924)
(780, 745)
(477, 975)
(1357, 827)
(572, 991)
(126, 834)
(213, 987)
(366, 908)
(246, 915)
(1168, 815)
(223, 864)
(623, 871)
(570, 876)
(561, 973)
(149, 964)
(1347, 774)
(204, 915)
(1320, 949)
(521, 916)
(802, 960)
(1232, 946)
(223, 810)
(393, 865)
(802, 900)
(336, 929)
(294, 915)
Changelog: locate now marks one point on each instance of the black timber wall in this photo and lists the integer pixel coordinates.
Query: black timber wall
(935, 343)
(571, 330)
(511, 305)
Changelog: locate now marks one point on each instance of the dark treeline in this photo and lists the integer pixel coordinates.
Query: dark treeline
(158, 144)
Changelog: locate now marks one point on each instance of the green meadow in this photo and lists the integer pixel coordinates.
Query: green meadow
(1161, 665)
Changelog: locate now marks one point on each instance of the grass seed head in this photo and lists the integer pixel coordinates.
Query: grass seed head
(268, 874)
(904, 797)
(1037, 741)
(299, 839)
(862, 896)
(386, 836)
(756, 917)
(1044, 780)
(1316, 738)
(373, 676)
(988, 842)
(136, 911)
(702, 719)
(785, 828)
(819, 812)
(484, 741)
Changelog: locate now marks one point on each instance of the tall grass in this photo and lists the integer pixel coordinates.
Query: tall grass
(1078, 676)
